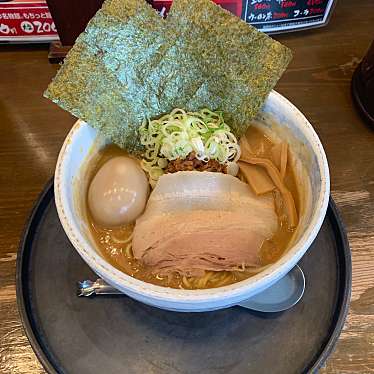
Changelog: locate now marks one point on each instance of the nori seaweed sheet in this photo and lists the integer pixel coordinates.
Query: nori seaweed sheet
(131, 64)
(241, 64)
(104, 77)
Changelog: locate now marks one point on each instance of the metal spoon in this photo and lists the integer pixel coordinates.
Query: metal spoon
(281, 296)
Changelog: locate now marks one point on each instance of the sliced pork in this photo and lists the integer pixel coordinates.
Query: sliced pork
(196, 221)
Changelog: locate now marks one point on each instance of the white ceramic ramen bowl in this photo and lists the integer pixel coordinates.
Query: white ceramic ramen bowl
(281, 119)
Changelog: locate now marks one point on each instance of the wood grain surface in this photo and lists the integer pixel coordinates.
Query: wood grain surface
(317, 82)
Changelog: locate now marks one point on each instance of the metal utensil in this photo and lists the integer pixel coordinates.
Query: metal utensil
(98, 287)
(281, 296)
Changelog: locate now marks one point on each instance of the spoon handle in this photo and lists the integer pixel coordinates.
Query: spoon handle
(282, 295)
(99, 287)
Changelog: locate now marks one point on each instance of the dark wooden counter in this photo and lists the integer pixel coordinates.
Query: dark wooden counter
(317, 82)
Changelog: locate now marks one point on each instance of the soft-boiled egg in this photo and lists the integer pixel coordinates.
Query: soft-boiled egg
(118, 192)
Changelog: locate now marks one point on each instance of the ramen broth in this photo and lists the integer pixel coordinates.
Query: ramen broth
(115, 243)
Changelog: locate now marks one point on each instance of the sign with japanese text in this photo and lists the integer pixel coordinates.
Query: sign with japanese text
(283, 15)
(26, 20)
(272, 16)
(233, 6)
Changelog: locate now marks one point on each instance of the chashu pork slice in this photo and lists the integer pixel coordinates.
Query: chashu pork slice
(196, 221)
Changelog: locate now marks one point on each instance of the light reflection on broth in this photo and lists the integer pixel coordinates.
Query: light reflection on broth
(115, 243)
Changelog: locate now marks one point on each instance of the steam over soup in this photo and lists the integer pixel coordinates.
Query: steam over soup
(209, 221)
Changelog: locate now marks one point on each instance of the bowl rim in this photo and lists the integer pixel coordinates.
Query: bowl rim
(245, 288)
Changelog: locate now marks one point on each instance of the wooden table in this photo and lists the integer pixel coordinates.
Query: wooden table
(32, 130)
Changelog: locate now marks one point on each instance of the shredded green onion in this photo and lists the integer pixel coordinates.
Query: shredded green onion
(179, 133)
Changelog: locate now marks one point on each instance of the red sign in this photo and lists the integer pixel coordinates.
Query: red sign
(26, 21)
(272, 16)
(234, 6)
